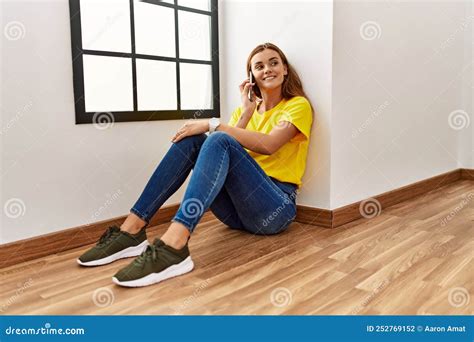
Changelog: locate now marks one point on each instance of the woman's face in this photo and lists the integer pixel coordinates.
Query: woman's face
(268, 69)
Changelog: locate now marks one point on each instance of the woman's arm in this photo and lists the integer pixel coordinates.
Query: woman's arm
(255, 141)
(260, 142)
(244, 119)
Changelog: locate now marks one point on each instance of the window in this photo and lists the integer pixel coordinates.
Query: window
(145, 60)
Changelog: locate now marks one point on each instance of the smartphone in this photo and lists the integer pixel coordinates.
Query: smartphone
(250, 89)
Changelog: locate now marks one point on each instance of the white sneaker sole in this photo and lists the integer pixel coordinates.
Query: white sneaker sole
(126, 253)
(183, 267)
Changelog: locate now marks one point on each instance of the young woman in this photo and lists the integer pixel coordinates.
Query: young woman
(246, 172)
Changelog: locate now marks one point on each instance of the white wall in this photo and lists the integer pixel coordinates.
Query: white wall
(466, 136)
(392, 95)
(63, 173)
(303, 31)
(60, 175)
(381, 118)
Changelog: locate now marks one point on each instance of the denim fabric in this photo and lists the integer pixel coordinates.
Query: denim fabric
(226, 180)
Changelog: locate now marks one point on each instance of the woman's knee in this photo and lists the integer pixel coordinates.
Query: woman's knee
(193, 141)
(220, 137)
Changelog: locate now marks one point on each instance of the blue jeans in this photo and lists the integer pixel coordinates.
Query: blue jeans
(226, 180)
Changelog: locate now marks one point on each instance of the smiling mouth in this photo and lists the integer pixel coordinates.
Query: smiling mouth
(269, 78)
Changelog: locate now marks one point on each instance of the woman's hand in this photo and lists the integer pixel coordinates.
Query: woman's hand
(247, 105)
(192, 127)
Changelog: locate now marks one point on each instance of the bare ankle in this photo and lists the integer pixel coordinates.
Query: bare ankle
(129, 230)
(176, 236)
(133, 224)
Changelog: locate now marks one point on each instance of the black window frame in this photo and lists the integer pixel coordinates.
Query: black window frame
(83, 117)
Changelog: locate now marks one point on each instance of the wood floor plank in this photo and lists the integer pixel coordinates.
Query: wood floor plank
(413, 258)
(404, 293)
(386, 270)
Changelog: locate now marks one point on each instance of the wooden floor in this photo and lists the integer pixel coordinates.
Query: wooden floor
(404, 261)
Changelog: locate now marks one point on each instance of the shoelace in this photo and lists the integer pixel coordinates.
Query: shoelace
(110, 233)
(152, 251)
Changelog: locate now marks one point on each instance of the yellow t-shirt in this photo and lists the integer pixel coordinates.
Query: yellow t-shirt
(289, 162)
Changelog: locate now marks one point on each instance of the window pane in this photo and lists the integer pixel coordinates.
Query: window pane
(196, 86)
(194, 35)
(105, 25)
(198, 4)
(107, 84)
(156, 85)
(154, 30)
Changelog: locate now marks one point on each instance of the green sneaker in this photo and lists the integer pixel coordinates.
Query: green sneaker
(157, 263)
(114, 244)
